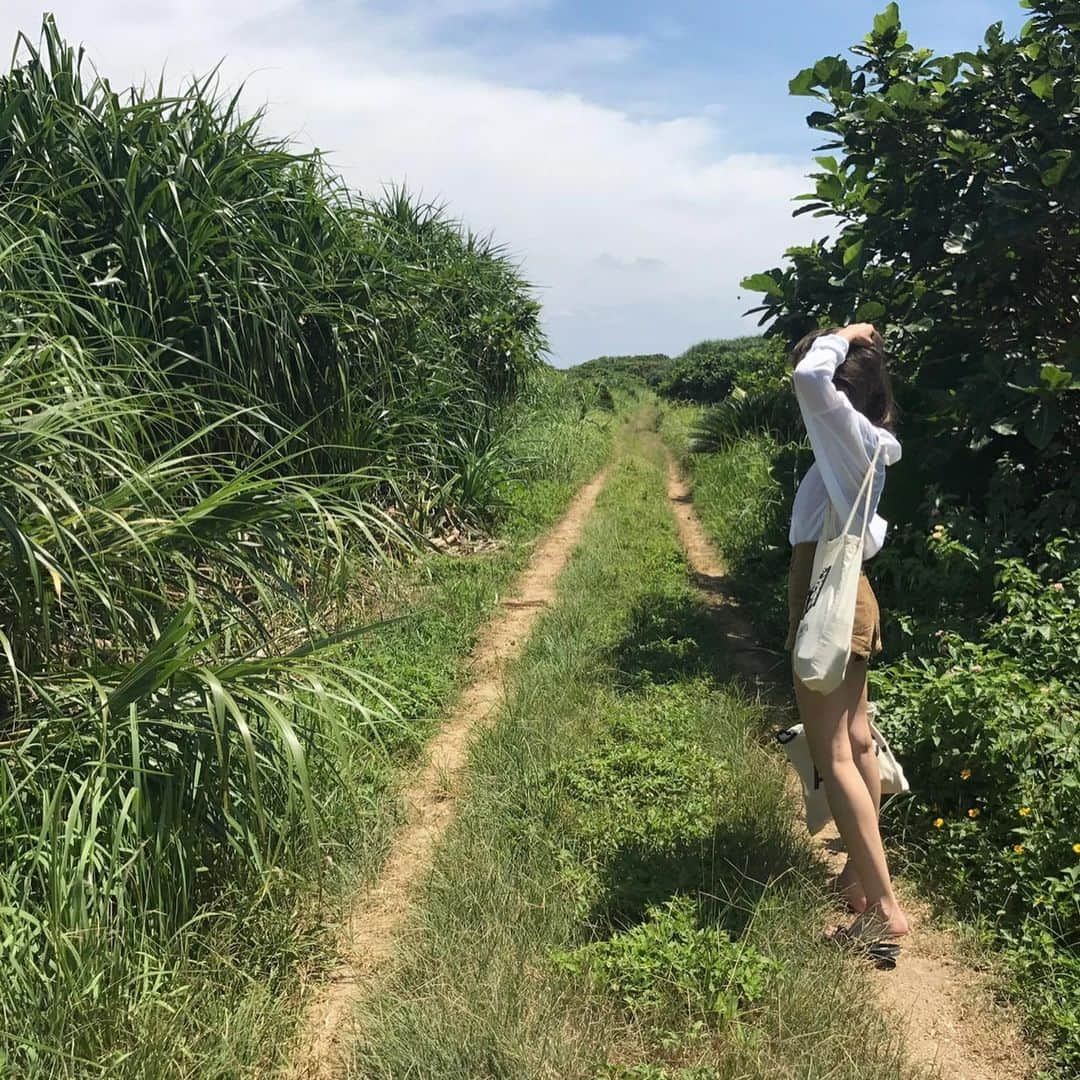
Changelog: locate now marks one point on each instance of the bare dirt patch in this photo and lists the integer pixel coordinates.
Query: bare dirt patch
(370, 931)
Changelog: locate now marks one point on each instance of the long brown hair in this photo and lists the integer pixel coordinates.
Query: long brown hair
(863, 376)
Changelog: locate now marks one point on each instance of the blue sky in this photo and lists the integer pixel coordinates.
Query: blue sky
(681, 58)
(637, 158)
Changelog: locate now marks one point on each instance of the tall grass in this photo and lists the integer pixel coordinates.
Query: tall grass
(226, 385)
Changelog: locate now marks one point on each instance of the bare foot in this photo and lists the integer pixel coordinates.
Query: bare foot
(846, 883)
(877, 924)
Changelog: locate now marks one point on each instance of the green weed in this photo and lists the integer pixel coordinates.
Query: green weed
(668, 965)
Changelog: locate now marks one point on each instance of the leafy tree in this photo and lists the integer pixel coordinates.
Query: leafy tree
(955, 184)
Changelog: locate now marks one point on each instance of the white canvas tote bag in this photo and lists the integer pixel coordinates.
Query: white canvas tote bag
(818, 814)
(823, 640)
(893, 780)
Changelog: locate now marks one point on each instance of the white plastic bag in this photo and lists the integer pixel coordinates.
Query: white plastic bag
(823, 639)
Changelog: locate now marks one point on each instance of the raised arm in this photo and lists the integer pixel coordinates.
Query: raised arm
(842, 438)
(813, 376)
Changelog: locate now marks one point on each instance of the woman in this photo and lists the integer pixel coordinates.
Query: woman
(845, 397)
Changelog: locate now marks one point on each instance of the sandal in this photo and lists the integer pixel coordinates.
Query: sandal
(869, 938)
(882, 952)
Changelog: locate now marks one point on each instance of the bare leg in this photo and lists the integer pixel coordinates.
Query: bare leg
(853, 797)
(865, 757)
(862, 742)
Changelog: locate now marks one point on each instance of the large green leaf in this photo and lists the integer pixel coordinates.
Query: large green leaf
(852, 252)
(1055, 172)
(763, 283)
(1043, 424)
(888, 20)
(871, 311)
(803, 84)
(832, 72)
(1055, 377)
(1043, 86)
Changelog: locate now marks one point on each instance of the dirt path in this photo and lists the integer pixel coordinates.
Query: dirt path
(947, 1012)
(371, 928)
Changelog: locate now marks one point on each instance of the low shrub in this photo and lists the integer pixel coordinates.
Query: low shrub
(623, 372)
(771, 411)
(989, 727)
(707, 373)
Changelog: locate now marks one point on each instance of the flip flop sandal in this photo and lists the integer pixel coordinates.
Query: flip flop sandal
(882, 952)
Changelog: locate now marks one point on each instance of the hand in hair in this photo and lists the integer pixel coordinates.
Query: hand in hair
(863, 331)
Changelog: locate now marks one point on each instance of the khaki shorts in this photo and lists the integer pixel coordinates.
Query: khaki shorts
(866, 635)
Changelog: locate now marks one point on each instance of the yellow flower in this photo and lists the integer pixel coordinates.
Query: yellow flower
(1025, 811)
(938, 822)
(965, 774)
(1076, 848)
(1018, 848)
(974, 812)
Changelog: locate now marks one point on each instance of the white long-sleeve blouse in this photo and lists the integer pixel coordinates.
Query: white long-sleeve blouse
(843, 441)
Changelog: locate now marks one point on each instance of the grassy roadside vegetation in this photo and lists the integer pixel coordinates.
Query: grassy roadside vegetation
(221, 997)
(622, 893)
(236, 398)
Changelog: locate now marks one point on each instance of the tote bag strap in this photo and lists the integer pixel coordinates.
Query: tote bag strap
(866, 486)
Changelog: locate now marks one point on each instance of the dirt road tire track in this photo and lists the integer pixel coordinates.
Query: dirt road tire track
(375, 919)
(950, 1021)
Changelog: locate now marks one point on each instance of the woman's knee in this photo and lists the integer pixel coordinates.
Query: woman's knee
(859, 737)
(832, 753)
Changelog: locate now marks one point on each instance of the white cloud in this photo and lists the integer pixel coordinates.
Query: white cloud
(564, 57)
(472, 8)
(636, 229)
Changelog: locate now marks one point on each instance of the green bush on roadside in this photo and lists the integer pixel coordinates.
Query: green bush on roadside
(231, 392)
(708, 372)
(989, 729)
